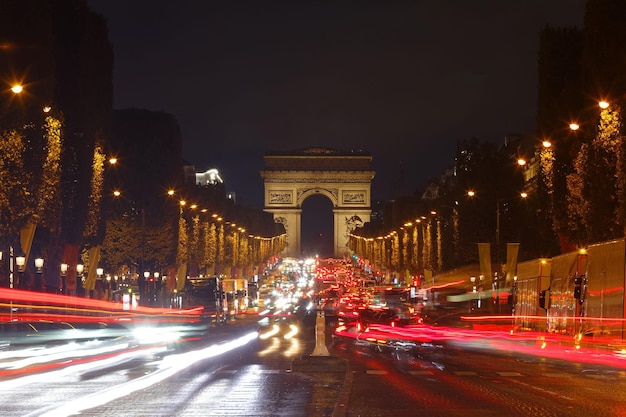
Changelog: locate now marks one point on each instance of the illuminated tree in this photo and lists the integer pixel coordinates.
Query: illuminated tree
(17, 200)
(48, 198)
(210, 246)
(182, 249)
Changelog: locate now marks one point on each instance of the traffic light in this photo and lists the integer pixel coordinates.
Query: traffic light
(544, 299)
(578, 283)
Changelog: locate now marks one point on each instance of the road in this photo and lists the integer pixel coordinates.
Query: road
(230, 371)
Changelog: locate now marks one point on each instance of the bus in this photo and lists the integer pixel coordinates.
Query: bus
(206, 292)
(234, 296)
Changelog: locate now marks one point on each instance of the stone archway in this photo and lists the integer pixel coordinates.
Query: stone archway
(344, 177)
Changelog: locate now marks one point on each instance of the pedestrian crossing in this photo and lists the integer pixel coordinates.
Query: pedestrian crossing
(428, 372)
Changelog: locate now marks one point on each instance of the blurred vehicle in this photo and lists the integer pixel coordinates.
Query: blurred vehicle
(397, 314)
(253, 294)
(35, 332)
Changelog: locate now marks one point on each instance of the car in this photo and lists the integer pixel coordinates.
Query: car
(395, 314)
(34, 332)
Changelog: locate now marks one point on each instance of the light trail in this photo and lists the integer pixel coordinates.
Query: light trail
(80, 368)
(45, 356)
(564, 347)
(169, 367)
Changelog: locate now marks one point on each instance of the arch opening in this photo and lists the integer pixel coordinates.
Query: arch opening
(337, 179)
(317, 226)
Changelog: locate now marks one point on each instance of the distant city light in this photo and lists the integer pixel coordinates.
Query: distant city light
(209, 177)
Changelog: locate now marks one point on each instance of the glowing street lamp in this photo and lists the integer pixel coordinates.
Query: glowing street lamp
(20, 261)
(80, 268)
(17, 89)
(64, 268)
(38, 273)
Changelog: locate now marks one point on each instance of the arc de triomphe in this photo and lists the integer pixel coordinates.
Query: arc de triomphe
(344, 177)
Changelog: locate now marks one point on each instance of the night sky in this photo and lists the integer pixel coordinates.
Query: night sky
(403, 80)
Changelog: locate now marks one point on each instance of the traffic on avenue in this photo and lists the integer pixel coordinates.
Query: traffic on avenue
(318, 337)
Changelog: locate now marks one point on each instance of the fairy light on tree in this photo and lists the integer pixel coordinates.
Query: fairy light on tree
(95, 200)
(610, 139)
(48, 201)
(16, 198)
(182, 249)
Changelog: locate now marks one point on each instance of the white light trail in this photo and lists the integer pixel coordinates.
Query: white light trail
(45, 357)
(170, 366)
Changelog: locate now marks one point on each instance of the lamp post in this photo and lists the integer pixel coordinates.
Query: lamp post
(64, 268)
(497, 279)
(38, 274)
(11, 267)
(20, 261)
(473, 283)
(99, 272)
(108, 288)
(146, 287)
(157, 287)
(80, 268)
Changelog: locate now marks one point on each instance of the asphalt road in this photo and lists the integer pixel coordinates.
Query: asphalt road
(230, 371)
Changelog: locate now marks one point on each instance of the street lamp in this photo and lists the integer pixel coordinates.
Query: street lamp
(38, 273)
(64, 268)
(157, 286)
(146, 292)
(109, 292)
(99, 272)
(80, 268)
(20, 261)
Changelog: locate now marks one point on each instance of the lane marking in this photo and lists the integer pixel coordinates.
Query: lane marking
(421, 372)
(509, 374)
(544, 390)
